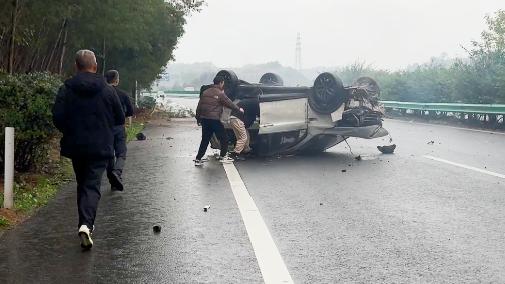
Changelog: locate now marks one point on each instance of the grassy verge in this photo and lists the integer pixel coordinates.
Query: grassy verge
(32, 191)
(132, 130)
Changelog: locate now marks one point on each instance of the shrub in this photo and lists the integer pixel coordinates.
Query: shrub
(147, 102)
(25, 104)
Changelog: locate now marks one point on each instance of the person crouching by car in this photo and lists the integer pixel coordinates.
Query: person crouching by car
(237, 119)
(208, 115)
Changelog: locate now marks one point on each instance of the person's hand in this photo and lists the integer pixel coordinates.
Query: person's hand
(241, 110)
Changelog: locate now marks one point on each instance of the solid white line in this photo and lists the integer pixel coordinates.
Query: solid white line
(466, 167)
(447, 126)
(272, 266)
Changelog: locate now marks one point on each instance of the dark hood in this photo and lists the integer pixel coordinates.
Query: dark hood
(85, 83)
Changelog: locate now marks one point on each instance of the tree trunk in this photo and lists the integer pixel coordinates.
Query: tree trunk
(10, 67)
(56, 44)
(63, 47)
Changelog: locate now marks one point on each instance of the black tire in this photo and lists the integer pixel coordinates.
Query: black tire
(328, 94)
(271, 79)
(230, 82)
(368, 84)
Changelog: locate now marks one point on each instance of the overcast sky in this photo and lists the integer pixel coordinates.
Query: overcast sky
(385, 33)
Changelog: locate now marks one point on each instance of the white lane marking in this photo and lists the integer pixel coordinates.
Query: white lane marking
(272, 266)
(447, 126)
(466, 167)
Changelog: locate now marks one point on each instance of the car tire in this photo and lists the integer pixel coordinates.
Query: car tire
(230, 82)
(271, 79)
(328, 94)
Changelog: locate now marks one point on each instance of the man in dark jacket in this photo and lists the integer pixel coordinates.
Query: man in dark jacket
(208, 114)
(115, 167)
(86, 110)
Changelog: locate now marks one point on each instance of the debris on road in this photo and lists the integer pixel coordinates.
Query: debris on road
(387, 149)
(344, 171)
(206, 208)
(321, 203)
(431, 142)
(358, 158)
(140, 136)
(169, 138)
(157, 228)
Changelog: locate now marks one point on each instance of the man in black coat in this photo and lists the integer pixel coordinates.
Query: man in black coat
(115, 167)
(86, 110)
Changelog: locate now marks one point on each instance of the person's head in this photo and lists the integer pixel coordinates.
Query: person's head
(112, 77)
(85, 61)
(219, 81)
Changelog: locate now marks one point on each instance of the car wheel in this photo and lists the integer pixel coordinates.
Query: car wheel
(271, 79)
(230, 82)
(328, 94)
(369, 85)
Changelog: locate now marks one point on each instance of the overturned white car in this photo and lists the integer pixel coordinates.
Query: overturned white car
(284, 120)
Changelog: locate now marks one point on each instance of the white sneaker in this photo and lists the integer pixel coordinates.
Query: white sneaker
(85, 236)
(198, 163)
(226, 159)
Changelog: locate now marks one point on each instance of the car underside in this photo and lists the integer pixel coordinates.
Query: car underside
(286, 120)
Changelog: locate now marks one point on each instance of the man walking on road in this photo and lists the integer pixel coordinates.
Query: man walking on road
(86, 110)
(208, 114)
(115, 167)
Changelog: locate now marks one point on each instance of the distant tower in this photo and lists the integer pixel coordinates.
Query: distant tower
(298, 55)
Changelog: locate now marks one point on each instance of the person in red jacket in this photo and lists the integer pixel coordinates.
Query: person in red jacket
(208, 114)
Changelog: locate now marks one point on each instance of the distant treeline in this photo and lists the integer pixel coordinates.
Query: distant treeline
(135, 37)
(479, 79)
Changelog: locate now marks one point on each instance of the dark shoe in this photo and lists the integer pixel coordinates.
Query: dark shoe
(116, 182)
(237, 156)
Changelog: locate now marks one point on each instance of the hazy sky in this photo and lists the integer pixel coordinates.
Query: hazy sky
(385, 33)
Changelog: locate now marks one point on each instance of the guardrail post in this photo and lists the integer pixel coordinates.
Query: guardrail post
(9, 168)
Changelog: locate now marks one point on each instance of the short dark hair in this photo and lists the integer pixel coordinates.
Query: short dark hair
(111, 76)
(218, 80)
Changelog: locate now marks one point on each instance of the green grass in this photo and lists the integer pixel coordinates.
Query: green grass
(28, 198)
(132, 130)
(4, 222)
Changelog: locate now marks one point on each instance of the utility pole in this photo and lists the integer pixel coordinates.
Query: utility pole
(298, 52)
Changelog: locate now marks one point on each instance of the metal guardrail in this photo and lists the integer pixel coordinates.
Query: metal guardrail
(496, 109)
(182, 92)
(447, 107)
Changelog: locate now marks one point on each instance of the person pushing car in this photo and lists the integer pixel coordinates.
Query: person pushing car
(208, 115)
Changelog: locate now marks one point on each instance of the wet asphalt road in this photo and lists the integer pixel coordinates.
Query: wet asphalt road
(399, 218)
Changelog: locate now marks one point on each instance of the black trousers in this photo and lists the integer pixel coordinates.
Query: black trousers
(116, 164)
(88, 174)
(209, 127)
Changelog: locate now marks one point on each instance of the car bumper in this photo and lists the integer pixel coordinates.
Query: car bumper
(366, 132)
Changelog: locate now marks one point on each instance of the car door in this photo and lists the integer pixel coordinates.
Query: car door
(281, 113)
